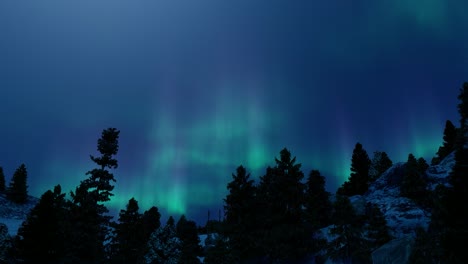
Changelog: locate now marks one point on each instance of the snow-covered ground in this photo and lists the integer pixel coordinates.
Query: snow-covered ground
(402, 214)
(13, 215)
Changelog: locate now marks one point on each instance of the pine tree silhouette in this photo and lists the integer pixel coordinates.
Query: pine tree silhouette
(450, 138)
(349, 244)
(358, 182)
(377, 229)
(380, 163)
(190, 248)
(92, 225)
(164, 245)
(281, 194)
(414, 184)
(127, 242)
(318, 207)
(41, 237)
(18, 190)
(241, 217)
(455, 234)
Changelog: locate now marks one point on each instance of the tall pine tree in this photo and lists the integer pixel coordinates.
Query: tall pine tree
(281, 194)
(190, 248)
(149, 223)
(450, 138)
(87, 210)
(455, 233)
(380, 163)
(378, 232)
(414, 185)
(240, 211)
(349, 245)
(128, 243)
(358, 182)
(318, 208)
(164, 245)
(18, 190)
(41, 237)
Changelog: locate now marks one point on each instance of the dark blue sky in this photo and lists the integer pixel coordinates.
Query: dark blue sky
(200, 87)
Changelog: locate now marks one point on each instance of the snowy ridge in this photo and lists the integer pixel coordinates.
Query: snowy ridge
(402, 214)
(13, 215)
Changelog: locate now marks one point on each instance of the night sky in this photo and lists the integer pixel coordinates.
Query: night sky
(200, 87)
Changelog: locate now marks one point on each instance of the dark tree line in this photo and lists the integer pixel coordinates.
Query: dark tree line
(273, 221)
(277, 220)
(79, 230)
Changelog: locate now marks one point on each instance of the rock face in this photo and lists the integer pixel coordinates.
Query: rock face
(438, 174)
(402, 214)
(396, 251)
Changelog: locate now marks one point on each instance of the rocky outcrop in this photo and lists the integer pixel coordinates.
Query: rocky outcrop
(439, 174)
(402, 214)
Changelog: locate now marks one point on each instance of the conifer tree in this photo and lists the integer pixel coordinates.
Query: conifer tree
(448, 229)
(41, 236)
(450, 138)
(163, 245)
(422, 166)
(190, 248)
(358, 182)
(318, 208)
(240, 211)
(219, 252)
(380, 163)
(128, 243)
(281, 194)
(18, 190)
(455, 234)
(413, 184)
(349, 246)
(150, 221)
(2, 181)
(378, 232)
(87, 209)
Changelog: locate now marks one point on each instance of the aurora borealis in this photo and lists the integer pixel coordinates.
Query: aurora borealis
(200, 87)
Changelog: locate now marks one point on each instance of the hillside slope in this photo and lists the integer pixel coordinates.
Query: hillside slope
(12, 214)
